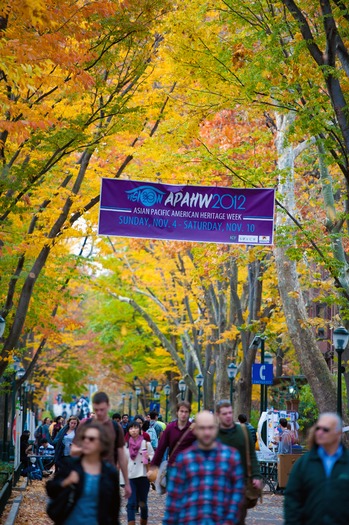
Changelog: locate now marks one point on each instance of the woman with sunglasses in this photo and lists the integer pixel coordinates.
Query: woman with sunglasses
(64, 440)
(95, 483)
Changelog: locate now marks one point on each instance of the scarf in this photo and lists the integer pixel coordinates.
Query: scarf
(134, 445)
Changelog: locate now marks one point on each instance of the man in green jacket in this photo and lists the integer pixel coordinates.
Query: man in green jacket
(318, 486)
(231, 434)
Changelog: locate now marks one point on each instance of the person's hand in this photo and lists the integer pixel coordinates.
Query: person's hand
(75, 450)
(127, 490)
(72, 479)
(257, 483)
(152, 473)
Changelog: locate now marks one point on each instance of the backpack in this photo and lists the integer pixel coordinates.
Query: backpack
(153, 436)
(34, 472)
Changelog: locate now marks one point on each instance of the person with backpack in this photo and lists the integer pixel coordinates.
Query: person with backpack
(43, 432)
(116, 453)
(154, 430)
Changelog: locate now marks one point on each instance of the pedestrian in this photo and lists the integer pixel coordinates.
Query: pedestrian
(285, 438)
(63, 441)
(242, 418)
(124, 422)
(177, 436)
(93, 482)
(138, 419)
(154, 429)
(139, 452)
(205, 484)
(116, 417)
(23, 446)
(56, 426)
(116, 453)
(232, 435)
(43, 431)
(318, 484)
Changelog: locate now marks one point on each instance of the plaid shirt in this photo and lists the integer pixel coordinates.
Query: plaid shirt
(205, 488)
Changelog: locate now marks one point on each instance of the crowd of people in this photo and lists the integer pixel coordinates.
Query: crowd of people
(205, 466)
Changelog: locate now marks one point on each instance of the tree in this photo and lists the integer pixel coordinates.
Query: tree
(60, 117)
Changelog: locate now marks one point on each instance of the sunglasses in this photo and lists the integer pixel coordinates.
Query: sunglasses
(89, 438)
(324, 429)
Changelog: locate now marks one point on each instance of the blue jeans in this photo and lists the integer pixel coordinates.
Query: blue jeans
(139, 496)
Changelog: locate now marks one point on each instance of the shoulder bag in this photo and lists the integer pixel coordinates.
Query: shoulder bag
(161, 479)
(252, 494)
(59, 507)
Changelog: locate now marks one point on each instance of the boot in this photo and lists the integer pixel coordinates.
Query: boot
(143, 522)
(131, 523)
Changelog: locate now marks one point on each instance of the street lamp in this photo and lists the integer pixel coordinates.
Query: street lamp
(232, 370)
(258, 341)
(167, 390)
(182, 387)
(268, 360)
(130, 397)
(340, 341)
(2, 326)
(199, 380)
(123, 397)
(138, 393)
(157, 401)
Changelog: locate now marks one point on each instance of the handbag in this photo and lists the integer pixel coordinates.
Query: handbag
(161, 478)
(252, 494)
(59, 507)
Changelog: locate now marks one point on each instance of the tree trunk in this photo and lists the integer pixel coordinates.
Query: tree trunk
(308, 353)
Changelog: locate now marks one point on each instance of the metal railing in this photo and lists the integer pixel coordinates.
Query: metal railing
(6, 490)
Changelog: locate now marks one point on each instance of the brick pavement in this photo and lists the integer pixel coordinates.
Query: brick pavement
(267, 513)
(32, 509)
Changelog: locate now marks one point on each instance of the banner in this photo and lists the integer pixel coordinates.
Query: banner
(186, 213)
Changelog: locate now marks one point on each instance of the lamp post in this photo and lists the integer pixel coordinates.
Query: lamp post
(340, 341)
(26, 390)
(232, 370)
(138, 393)
(199, 380)
(123, 397)
(167, 390)
(31, 390)
(258, 341)
(130, 397)
(157, 401)
(268, 359)
(182, 387)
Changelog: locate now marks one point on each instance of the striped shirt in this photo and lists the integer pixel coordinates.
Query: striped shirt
(205, 487)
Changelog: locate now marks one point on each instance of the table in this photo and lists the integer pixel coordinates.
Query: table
(269, 472)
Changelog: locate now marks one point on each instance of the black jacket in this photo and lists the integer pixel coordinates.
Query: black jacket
(109, 495)
(311, 498)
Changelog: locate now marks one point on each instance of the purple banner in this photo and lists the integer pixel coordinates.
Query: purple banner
(186, 213)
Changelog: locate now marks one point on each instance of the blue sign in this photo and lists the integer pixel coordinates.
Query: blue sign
(262, 374)
(154, 406)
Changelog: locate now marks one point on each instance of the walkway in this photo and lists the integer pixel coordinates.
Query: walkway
(32, 509)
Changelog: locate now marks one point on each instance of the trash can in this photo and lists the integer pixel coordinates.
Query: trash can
(285, 464)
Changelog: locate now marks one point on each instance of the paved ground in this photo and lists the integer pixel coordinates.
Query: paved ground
(32, 509)
(269, 512)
